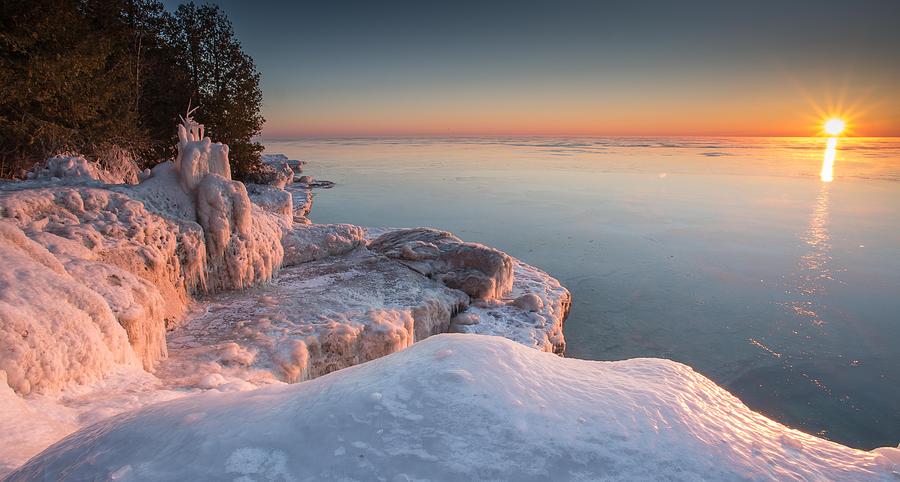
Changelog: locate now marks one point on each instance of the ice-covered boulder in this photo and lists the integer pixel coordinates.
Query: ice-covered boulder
(313, 242)
(478, 270)
(272, 172)
(533, 312)
(54, 331)
(273, 199)
(302, 199)
(462, 407)
(110, 227)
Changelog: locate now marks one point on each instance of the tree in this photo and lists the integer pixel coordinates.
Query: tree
(63, 80)
(223, 81)
(93, 75)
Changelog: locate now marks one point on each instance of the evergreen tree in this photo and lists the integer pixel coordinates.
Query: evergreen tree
(223, 82)
(87, 75)
(64, 81)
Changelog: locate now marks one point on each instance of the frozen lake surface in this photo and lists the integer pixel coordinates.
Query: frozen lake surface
(737, 256)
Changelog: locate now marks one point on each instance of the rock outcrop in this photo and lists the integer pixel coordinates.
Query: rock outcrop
(479, 271)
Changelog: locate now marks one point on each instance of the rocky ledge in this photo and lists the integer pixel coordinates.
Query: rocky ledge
(201, 282)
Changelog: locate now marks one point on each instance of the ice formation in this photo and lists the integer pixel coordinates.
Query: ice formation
(113, 297)
(198, 155)
(462, 407)
(54, 331)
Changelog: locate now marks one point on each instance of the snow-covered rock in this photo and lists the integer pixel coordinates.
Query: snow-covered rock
(313, 242)
(54, 331)
(461, 407)
(478, 270)
(533, 313)
(315, 318)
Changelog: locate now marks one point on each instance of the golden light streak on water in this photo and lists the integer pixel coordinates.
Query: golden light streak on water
(827, 173)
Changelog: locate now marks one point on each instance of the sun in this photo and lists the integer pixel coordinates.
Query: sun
(834, 126)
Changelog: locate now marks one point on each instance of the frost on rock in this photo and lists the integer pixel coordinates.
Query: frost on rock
(462, 407)
(478, 270)
(315, 318)
(54, 331)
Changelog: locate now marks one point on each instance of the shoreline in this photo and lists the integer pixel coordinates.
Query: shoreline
(256, 255)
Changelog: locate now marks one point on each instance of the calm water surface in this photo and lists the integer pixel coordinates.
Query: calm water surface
(735, 256)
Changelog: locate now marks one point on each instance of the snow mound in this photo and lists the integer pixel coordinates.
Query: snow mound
(48, 345)
(478, 270)
(315, 318)
(461, 407)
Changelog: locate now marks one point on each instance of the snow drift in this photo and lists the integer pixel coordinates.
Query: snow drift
(461, 407)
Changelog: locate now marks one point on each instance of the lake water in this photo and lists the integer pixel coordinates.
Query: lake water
(737, 256)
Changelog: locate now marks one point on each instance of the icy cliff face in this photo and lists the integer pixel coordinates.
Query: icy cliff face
(462, 407)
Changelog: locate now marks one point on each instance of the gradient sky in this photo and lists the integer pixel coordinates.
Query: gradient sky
(586, 67)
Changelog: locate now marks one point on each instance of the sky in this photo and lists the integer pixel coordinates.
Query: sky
(760, 68)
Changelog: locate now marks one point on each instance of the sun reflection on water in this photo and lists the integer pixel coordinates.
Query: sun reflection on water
(827, 173)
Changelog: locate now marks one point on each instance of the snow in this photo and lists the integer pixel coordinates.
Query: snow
(462, 407)
(77, 168)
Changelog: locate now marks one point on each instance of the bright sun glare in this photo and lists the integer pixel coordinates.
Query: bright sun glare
(834, 126)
